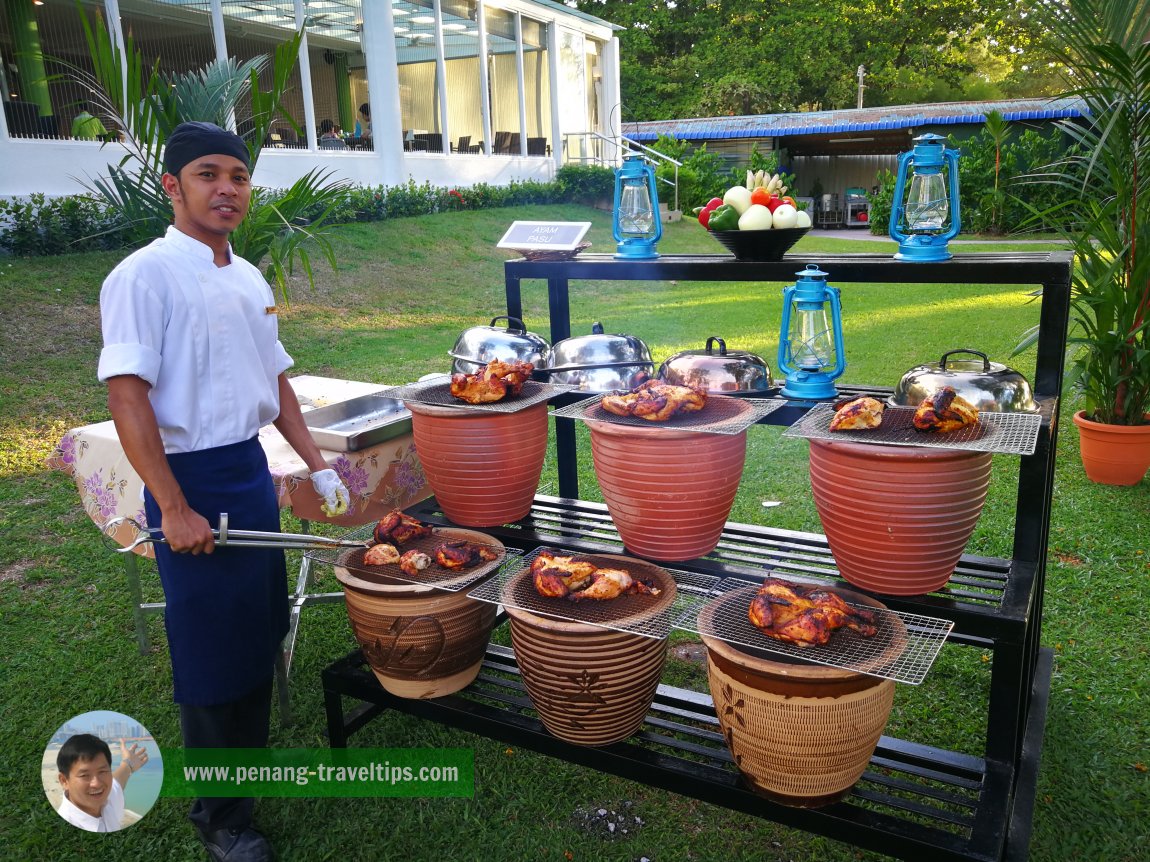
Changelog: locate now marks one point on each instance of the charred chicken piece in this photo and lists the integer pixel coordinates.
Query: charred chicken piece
(566, 577)
(463, 555)
(397, 528)
(609, 584)
(858, 414)
(804, 616)
(655, 401)
(945, 411)
(382, 554)
(414, 562)
(556, 577)
(493, 382)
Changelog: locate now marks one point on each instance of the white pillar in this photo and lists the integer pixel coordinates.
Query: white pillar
(441, 79)
(484, 81)
(612, 96)
(558, 143)
(305, 80)
(522, 84)
(378, 41)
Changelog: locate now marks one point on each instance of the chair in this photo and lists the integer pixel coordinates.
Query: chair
(332, 144)
(463, 145)
(23, 119)
(538, 147)
(503, 143)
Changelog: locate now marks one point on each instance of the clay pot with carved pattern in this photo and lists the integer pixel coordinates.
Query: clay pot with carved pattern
(590, 684)
(801, 733)
(419, 641)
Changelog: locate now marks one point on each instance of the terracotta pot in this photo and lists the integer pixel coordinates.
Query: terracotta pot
(668, 492)
(483, 466)
(590, 685)
(1113, 454)
(419, 641)
(897, 518)
(802, 734)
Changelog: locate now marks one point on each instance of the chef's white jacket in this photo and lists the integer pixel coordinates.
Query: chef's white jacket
(205, 337)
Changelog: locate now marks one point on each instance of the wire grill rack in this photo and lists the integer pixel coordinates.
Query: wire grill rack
(1002, 433)
(436, 392)
(903, 649)
(722, 415)
(682, 593)
(434, 576)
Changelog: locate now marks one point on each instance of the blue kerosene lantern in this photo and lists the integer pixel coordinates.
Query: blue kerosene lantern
(636, 226)
(811, 347)
(917, 218)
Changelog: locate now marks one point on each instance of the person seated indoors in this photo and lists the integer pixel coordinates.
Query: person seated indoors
(363, 124)
(327, 131)
(93, 793)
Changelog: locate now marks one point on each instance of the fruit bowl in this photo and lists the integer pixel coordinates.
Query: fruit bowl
(769, 244)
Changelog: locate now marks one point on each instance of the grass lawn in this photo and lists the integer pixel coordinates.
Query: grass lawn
(404, 291)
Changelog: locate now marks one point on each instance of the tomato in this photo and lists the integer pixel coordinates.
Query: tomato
(761, 197)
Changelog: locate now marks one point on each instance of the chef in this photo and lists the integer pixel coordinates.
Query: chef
(194, 367)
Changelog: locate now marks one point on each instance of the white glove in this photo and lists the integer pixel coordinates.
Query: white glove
(333, 491)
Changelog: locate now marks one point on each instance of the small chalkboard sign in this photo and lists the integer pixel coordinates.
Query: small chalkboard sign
(545, 235)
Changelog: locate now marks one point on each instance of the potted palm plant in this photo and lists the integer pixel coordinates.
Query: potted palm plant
(1104, 46)
(283, 227)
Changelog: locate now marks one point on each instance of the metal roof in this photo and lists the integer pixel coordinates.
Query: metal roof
(855, 119)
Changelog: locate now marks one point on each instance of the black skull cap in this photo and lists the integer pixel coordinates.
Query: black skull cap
(191, 141)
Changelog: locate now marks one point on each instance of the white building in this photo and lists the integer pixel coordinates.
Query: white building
(546, 91)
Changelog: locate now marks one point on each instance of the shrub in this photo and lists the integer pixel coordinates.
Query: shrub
(585, 183)
(881, 202)
(39, 225)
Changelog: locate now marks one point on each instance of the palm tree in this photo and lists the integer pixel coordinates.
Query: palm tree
(1104, 46)
(147, 105)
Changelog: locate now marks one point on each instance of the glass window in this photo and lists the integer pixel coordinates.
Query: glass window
(537, 87)
(418, 82)
(40, 46)
(503, 81)
(254, 29)
(573, 93)
(464, 96)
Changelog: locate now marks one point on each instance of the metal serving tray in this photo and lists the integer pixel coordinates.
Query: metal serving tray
(348, 426)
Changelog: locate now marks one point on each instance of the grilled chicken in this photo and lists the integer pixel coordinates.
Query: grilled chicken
(858, 414)
(610, 584)
(381, 555)
(655, 401)
(397, 528)
(493, 382)
(557, 576)
(463, 555)
(944, 411)
(804, 616)
(565, 577)
(414, 562)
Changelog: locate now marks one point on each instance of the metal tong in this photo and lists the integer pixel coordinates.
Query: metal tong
(224, 537)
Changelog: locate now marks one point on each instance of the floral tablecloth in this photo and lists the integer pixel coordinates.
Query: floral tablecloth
(380, 478)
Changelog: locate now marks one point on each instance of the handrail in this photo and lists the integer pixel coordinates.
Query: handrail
(594, 154)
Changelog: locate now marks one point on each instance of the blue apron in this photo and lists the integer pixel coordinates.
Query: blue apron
(227, 611)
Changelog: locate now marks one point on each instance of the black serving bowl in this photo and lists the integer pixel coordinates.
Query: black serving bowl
(760, 244)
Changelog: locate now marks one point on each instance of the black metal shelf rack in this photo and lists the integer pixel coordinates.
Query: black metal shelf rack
(914, 800)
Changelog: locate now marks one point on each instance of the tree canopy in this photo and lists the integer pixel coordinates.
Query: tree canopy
(685, 58)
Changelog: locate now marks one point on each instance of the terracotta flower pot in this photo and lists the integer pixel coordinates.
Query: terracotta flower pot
(668, 492)
(419, 641)
(590, 685)
(802, 734)
(897, 519)
(483, 466)
(1113, 454)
